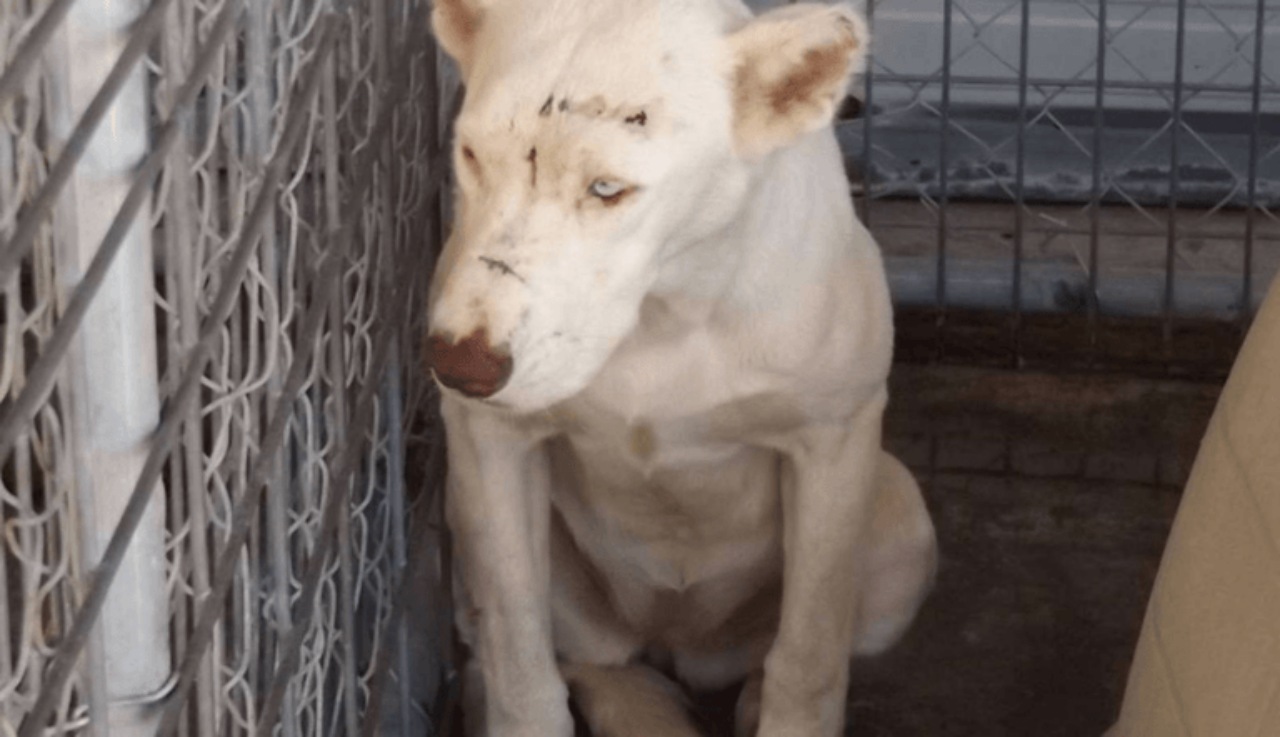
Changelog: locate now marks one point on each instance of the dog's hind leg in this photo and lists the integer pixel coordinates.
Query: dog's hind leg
(628, 701)
(902, 560)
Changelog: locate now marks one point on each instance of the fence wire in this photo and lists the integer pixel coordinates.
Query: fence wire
(1116, 161)
(213, 214)
(280, 194)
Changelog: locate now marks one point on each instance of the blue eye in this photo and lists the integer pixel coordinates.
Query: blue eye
(607, 190)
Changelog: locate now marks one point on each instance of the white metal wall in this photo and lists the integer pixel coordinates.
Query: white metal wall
(212, 218)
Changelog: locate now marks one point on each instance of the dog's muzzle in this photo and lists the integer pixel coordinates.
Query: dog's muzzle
(470, 366)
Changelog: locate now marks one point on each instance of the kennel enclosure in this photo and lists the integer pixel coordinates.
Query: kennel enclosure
(1100, 179)
(217, 220)
(211, 216)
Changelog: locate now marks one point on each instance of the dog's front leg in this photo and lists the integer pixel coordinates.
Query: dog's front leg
(826, 503)
(499, 512)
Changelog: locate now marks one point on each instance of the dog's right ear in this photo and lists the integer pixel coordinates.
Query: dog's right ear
(457, 24)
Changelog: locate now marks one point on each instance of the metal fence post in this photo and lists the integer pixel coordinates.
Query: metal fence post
(111, 370)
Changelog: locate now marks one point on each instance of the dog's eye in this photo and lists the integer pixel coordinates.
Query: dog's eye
(608, 191)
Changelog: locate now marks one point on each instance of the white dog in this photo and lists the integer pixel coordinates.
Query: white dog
(664, 338)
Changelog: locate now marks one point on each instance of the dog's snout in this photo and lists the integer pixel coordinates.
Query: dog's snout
(471, 365)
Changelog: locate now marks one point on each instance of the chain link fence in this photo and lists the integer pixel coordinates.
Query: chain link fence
(1091, 183)
(216, 224)
(218, 217)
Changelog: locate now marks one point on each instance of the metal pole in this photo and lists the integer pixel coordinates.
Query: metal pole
(1255, 134)
(111, 368)
(13, 74)
(1096, 191)
(943, 176)
(162, 440)
(1175, 133)
(74, 145)
(868, 124)
(1019, 186)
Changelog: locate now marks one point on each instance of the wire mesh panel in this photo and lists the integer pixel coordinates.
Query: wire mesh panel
(1116, 161)
(212, 219)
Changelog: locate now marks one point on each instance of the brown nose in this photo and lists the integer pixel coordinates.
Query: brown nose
(470, 366)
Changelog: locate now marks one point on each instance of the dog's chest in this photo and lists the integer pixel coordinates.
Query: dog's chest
(667, 404)
(676, 471)
(659, 469)
(654, 513)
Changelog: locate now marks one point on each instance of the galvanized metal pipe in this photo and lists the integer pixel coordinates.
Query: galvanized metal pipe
(1255, 135)
(1175, 137)
(32, 48)
(75, 144)
(162, 442)
(111, 368)
(1020, 180)
(41, 376)
(944, 137)
(1095, 171)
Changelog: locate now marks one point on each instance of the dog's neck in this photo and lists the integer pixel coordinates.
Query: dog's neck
(771, 251)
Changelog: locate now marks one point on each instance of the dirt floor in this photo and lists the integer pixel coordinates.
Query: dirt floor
(1052, 495)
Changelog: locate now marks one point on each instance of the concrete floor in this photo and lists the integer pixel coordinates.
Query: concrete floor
(1052, 495)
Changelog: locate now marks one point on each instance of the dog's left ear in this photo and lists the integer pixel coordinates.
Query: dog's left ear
(790, 69)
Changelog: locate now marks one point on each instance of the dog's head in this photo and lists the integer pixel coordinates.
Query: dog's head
(598, 138)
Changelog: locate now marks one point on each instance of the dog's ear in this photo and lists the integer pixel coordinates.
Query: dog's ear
(790, 68)
(457, 24)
